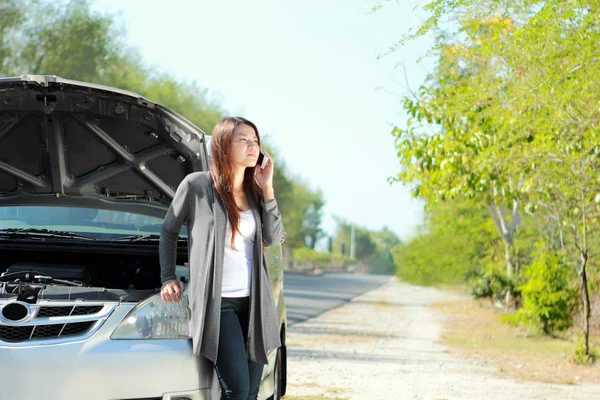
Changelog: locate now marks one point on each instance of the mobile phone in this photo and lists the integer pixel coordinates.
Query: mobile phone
(262, 159)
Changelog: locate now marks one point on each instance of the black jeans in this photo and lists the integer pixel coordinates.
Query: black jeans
(238, 376)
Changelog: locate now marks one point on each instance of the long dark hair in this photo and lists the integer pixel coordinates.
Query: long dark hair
(222, 168)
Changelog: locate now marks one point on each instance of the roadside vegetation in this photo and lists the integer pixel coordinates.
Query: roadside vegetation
(502, 143)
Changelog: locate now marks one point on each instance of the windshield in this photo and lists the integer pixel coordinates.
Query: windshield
(92, 222)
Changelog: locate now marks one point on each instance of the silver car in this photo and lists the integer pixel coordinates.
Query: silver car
(87, 173)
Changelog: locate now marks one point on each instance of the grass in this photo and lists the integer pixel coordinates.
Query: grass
(474, 329)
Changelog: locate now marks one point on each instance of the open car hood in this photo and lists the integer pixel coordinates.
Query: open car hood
(71, 143)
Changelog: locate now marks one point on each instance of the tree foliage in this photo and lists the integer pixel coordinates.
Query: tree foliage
(510, 118)
(373, 249)
(301, 206)
(455, 240)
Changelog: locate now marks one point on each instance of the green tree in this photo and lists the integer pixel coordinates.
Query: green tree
(67, 39)
(467, 155)
(564, 145)
(385, 238)
(313, 219)
(365, 246)
(382, 260)
(11, 18)
(300, 206)
(523, 84)
(373, 249)
(70, 40)
(456, 241)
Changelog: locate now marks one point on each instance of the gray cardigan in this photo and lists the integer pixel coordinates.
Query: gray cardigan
(193, 204)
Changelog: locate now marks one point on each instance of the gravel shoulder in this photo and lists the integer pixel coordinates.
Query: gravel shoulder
(384, 344)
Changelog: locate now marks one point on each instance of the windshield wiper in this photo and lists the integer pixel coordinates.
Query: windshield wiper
(142, 238)
(42, 233)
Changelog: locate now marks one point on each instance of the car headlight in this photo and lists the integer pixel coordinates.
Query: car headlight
(155, 319)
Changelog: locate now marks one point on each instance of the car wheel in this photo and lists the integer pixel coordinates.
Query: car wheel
(280, 374)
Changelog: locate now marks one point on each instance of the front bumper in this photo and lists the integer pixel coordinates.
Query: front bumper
(103, 369)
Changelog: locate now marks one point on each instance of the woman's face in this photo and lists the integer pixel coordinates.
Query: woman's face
(244, 146)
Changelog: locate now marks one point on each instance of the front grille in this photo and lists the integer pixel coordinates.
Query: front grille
(76, 328)
(60, 311)
(65, 311)
(16, 334)
(47, 331)
(86, 310)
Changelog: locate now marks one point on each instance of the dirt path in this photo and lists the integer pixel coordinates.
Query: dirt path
(385, 345)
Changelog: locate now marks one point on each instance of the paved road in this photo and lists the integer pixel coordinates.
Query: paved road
(307, 296)
(376, 349)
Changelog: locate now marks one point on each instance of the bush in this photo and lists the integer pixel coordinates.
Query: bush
(309, 256)
(381, 262)
(493, 283)
(548, 301)
(581, 357)
(456, 238)
(421, 262)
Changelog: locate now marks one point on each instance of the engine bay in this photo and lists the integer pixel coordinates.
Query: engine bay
(94, 273)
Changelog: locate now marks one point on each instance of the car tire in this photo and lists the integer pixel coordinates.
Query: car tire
(280, 374)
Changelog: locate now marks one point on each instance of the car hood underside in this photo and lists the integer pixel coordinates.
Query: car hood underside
(70, 143)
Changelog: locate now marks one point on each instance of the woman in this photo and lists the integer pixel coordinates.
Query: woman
(231, 213)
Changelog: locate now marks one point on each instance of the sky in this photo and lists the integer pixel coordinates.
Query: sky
(308, 74)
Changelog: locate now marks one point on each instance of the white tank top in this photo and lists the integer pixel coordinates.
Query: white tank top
(237, 264)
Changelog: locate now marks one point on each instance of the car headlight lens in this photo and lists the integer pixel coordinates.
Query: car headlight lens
(155, 319)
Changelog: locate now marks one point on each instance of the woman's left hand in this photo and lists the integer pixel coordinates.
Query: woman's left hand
(264, 177)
